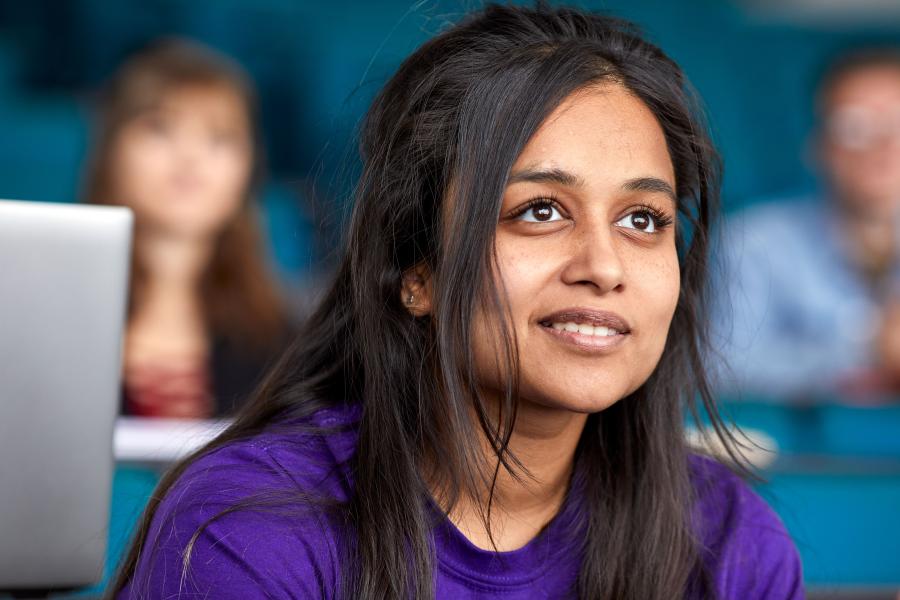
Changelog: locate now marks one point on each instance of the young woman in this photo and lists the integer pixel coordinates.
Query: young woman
(490, 401)
(176, 143)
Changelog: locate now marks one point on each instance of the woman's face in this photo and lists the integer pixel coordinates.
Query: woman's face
(586, 253)
(184, 167)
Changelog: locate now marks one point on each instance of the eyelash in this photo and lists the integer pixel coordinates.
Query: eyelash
(539, 201)
(661, 219)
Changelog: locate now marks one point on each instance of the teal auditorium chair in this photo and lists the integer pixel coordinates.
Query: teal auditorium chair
(836, 485)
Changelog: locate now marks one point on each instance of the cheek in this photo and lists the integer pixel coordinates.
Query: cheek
(869, 181)
(139, 171)
(230, 174)
(524, 274)
(527, 269)
(656, 284)
(529, 273)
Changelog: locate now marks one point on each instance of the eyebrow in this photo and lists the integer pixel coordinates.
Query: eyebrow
(651, 184)
(546, 176)
(561, 177)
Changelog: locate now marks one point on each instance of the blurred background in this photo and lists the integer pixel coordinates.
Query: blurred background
(832, 459)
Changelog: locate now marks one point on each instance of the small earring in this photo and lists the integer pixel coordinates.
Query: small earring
(410, 299)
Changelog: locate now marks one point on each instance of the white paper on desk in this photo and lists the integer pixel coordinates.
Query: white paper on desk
(142, 439)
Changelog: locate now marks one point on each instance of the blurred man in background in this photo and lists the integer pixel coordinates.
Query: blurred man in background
(811, 307)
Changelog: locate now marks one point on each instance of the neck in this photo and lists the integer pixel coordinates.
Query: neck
(173, 269)
(544, 442)
(173, 260)
(871, 237)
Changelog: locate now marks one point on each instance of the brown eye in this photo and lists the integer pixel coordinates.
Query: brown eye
(154, 123)
(543, 213)
(640, 220)
(540, 212)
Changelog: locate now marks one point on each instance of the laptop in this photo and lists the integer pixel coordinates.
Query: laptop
(63, 287)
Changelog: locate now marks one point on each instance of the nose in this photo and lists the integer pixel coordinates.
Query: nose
(595, 262)
(190, 144)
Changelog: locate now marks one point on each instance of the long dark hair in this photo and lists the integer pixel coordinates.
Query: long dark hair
(445, 131)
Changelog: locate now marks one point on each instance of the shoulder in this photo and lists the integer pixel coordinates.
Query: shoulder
(252, 518)
(746, 547)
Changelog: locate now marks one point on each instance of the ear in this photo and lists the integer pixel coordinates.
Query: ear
(415, 290)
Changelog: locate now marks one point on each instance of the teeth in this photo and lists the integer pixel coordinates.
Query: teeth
(585, 329)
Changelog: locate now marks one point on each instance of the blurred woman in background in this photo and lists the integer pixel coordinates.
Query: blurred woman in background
(176, 143)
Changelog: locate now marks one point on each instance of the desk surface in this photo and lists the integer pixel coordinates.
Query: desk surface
(163, 441)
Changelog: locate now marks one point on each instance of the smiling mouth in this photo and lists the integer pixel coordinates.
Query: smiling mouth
(589, 329)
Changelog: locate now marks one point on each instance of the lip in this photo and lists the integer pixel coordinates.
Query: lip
(596, 318)
(589, 316)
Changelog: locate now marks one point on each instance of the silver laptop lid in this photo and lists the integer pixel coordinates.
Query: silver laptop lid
(63, 276)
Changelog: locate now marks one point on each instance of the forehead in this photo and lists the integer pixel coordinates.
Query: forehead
(874, 83)
(604, 134)
(215, 101)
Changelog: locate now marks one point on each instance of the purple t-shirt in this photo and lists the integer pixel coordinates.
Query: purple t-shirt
(271, 552)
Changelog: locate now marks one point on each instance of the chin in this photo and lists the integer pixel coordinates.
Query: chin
(576, 400)
(193, 225)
